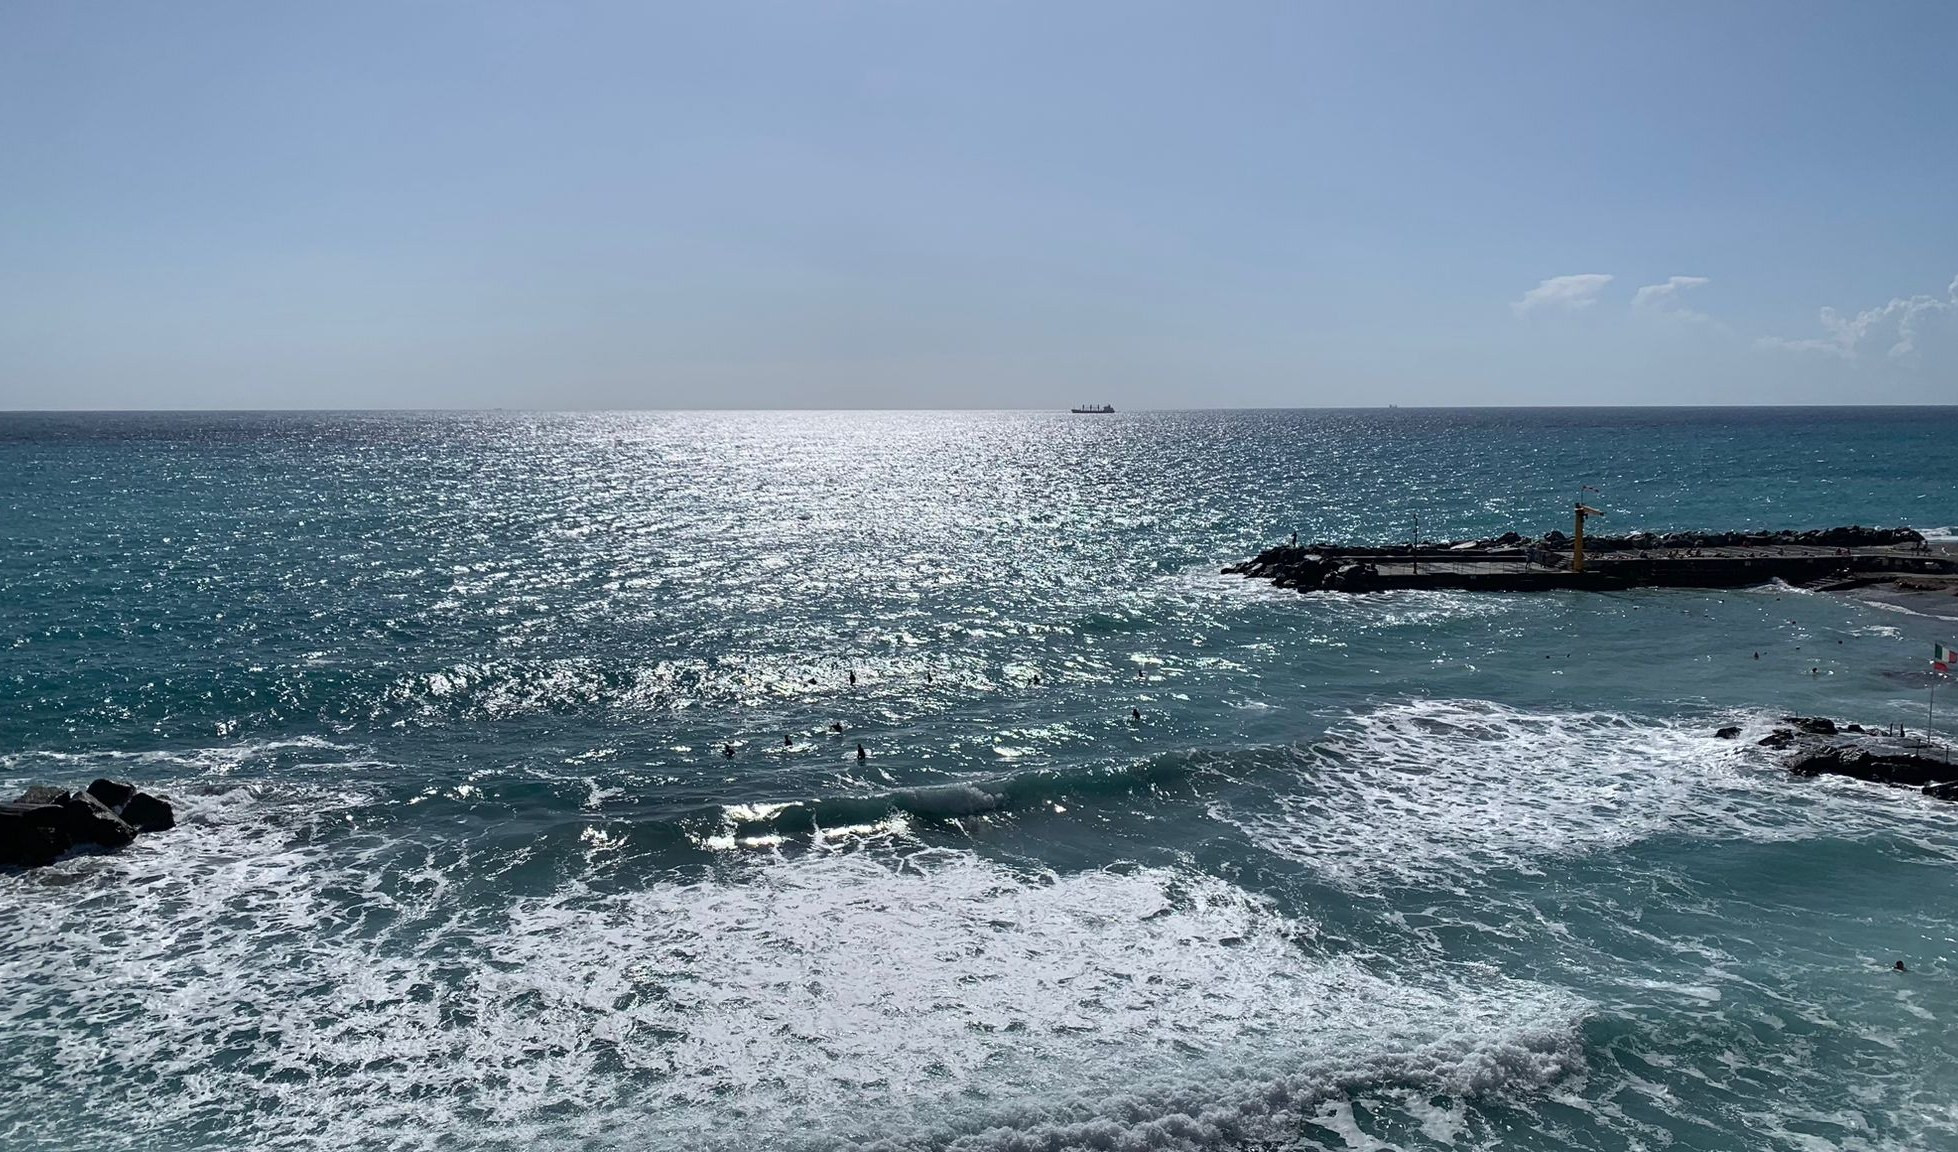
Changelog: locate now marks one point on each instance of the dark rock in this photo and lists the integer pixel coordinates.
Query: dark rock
(31, 834)
(1730, 732)
(1899, 768)
(1813, 725)
(1779, 738)
(44, 794)
(147, 813)
(1946, 791)
(1858, 728)
(111, 793)
(89, 821)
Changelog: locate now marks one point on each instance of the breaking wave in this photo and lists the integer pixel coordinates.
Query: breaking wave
(359, 993)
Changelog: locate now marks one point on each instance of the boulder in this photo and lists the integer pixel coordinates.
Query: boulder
(1730, 732)
(110, 792)
(31, 834)
(1779, 738)
(1946, 791)
(1813, 725)
(89, 821)
(147, 813)
(46, 821)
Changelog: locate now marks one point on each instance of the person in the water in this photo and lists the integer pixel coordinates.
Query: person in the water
(1899, 967)
(853, 678)
(1135, 713)
(836, 726)
(861, 754)
(727, 750)
(788, 741)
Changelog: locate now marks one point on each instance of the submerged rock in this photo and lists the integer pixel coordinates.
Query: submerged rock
(1813, 725)
(1730, 732)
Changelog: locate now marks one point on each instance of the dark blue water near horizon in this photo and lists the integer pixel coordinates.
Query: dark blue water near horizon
(447, 701)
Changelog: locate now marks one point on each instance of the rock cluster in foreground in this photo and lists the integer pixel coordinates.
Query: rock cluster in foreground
(1818, 746)
(46, 822)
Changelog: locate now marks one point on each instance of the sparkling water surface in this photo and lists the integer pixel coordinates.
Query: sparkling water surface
(443, 701)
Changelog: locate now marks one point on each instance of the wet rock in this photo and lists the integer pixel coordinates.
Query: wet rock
(147, 813)
(89, 821)
(1779, 738)
(31, 834)
(1946, 791)
(1813, 725)
(1899, 768)
(1730, 732)
(112, 793)
(47, 821)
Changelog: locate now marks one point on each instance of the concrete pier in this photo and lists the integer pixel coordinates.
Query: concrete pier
(1833, 559)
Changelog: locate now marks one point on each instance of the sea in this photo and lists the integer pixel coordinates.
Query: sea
(516, 763)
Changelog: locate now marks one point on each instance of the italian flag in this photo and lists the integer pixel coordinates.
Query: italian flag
(1942, 658)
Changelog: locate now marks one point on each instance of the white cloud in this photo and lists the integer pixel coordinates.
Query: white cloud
(1568, 293)
(1899, 322)
(1656, 296)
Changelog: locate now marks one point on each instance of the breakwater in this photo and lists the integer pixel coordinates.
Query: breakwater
(1829, 558)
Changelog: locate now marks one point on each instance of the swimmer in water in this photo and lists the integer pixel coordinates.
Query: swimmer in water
(788, 741)
(1899, 967)
(727, 751)
(836, 726)
(853, 679)
(861, 754)
(1135, 713)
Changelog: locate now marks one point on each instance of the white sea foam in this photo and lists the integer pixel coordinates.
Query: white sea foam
(1425, 790)
(221, 759)
(259, 981)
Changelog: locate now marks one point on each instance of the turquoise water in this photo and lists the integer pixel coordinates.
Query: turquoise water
(443, 701)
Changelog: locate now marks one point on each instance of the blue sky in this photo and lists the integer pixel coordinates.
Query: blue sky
(903, 204)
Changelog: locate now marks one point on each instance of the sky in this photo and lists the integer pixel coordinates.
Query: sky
(988, 204)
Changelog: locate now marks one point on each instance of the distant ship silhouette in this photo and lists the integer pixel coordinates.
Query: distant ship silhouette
(1094, 409)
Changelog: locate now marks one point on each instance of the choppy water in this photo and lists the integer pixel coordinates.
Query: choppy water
(443, 700)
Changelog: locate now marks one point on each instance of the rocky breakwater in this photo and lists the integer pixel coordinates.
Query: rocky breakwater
(1839, 558)
(1848, 536)
(1818, 746)
(47, 822)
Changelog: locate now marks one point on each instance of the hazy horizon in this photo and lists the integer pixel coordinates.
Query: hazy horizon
(869, 206)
